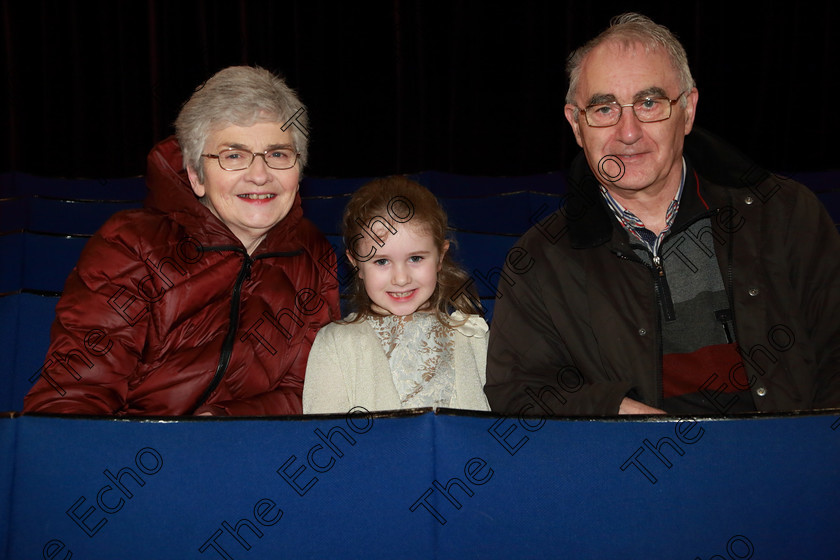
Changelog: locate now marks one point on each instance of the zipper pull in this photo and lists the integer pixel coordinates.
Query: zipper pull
(724, 317)
(664, 291)
(247, 266)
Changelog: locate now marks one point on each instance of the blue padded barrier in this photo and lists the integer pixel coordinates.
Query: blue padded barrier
(25, 321)
(37, 262)
(9, 313)
(12, 262)
(325, 212)
(7, 465)
(445, 184)
(422, 486)
(23, 184)
(483, 256)
(507, 214)
(70, 217)
(14, 214)
(66, 217)
(452, 185)
(320, 186)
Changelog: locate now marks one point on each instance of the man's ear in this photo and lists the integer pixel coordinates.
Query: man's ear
(570, 111)
(691, 108)
(354, 264)
(197, 186)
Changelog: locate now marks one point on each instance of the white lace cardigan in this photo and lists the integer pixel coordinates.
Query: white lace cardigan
(347, 367)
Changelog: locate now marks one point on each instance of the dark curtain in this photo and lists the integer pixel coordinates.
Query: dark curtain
(465, 87)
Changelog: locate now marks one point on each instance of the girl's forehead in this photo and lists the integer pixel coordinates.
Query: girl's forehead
(413, 228)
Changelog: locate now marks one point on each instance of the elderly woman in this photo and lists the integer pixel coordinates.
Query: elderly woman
(207, 300)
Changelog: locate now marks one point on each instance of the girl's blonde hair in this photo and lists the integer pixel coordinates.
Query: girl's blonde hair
(391, 203)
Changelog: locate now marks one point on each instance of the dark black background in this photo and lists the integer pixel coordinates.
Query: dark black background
(465, 87)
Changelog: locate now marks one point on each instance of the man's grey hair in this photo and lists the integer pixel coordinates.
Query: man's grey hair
(628, 29)
(240, 96)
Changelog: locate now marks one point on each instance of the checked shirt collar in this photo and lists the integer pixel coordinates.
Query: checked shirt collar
(634, 225)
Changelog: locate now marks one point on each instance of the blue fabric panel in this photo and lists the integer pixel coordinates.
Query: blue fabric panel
(37, 313)
(560, 491)
(11, 262)
(483, 256)
(37, 262)
(508, 214)
(446, 184)
(451, 185)
(23, 184)
(427, 486)
(14, 214)
(49, 260)
(9, 316)
(201, 474)
(7, 463)
(72, 217)
(319, 186)
(325, 212)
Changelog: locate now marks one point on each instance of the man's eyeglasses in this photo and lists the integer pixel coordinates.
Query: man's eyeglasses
(233, 159)
(647, 110)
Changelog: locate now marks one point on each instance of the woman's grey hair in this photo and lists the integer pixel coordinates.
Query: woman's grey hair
(241, 96)
(628, 29)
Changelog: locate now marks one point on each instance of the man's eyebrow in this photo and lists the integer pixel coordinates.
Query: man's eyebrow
(651, 92)
(601, 98)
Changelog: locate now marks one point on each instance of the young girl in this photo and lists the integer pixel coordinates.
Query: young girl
(400, 349)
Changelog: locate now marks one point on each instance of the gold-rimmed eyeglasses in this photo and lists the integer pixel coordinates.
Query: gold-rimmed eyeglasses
(233, 159)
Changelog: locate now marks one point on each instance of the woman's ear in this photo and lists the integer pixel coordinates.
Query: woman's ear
(197, 186)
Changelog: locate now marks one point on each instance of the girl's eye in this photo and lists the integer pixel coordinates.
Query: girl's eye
(380, 262)
(415, 258)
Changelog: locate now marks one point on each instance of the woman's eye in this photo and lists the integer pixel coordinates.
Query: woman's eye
(415, 259)
(380, 262)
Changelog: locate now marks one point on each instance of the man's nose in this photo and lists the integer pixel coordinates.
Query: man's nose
(628, 128)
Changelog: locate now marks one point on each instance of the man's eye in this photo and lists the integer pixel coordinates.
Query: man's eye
(647, 104)
(603, 109)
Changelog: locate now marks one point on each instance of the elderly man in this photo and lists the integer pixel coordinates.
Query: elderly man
(678, 281)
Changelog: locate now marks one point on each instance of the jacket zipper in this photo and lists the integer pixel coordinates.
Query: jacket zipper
(664, 291)
(233, 323)
(660, 391)
(233, 326)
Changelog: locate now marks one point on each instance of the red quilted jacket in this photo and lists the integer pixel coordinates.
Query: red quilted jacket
(166, 314)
